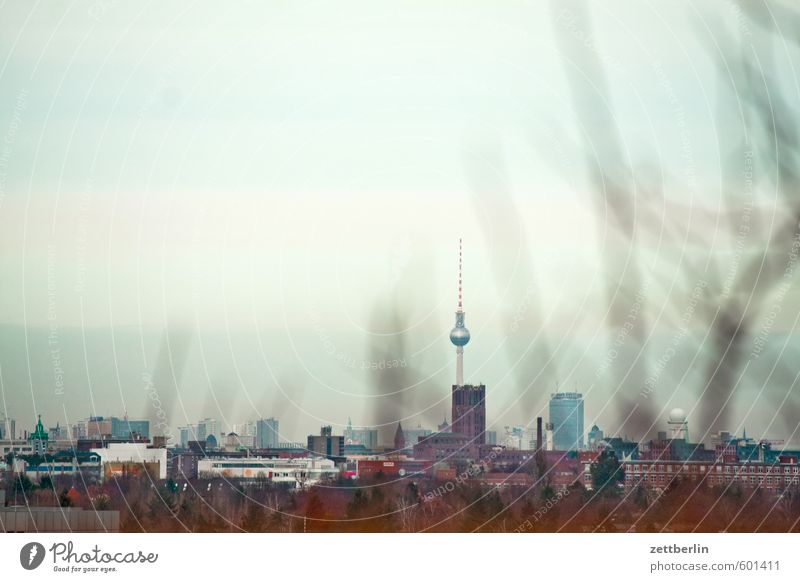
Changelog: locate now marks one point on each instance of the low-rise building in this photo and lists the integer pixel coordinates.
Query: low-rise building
(25, 519)
(782, 474)
(122, 459)
(368, 468)
(296, 472)
(444, 447)
(58, 467)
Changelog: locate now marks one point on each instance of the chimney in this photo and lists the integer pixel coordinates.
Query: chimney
(538, 433)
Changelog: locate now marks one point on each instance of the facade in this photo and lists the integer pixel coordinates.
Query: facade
(443, 447)
(98, 427)
(17, 447)
(207, 427)
(8, 429)
(121, 459)
(414, 434)
(326, 444)
(183, 465)
(299, 473)
(660, 474)
(595, 437)
(519, 437)
(246, 429)
(267, 433)
(678, 425)
(566, 416)
(367, 437)
(368, 468)
(469, 412)
(25, 519)
(501, 480)
(57, 468)
(187, 433)
(125, 428)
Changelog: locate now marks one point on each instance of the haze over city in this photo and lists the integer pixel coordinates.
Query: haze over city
(268, 224)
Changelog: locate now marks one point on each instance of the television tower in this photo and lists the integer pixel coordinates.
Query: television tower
(459, 334)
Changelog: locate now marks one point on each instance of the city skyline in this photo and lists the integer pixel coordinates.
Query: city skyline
(289, 238)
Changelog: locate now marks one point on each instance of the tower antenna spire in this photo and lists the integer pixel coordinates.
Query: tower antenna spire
(459, 274)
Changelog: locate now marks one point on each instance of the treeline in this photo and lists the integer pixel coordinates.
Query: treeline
(405, 505)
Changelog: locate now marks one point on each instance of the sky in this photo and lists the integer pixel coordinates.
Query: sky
(255, 211)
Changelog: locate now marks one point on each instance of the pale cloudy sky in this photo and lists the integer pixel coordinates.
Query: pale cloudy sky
(283, 187)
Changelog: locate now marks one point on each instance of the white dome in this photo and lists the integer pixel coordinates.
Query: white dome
(677, 415)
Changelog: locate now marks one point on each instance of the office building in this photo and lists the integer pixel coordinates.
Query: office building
(566, 417)
(267, 433)
(123, 428)
(326, 444)
(187, 433)
(8, 428)
(206, 428)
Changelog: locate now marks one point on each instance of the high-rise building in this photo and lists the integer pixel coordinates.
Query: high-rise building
(566, 417)
(206, 428)
(469, 402)
(247, 428)
(98, 427)
(187, 433)
(267, 433)
(8, 428)
(469, 412)
(326, 444)
(59, 433)
(595, 436)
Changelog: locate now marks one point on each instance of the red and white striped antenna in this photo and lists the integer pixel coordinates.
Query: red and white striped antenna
(459, 274)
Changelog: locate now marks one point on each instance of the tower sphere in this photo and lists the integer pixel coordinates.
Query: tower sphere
(677, 415)
(459, 336)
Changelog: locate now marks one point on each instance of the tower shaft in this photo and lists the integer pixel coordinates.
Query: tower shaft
(459, 366)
